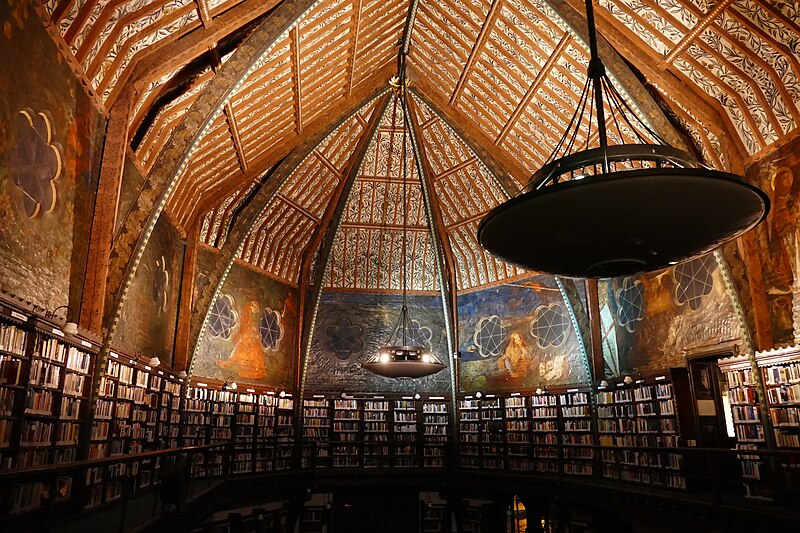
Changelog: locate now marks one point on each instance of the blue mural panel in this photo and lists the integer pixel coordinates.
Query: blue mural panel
(517, 336)
(350, 328)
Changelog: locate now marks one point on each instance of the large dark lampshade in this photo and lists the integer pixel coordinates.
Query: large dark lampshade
(618, 209)
(622, 222)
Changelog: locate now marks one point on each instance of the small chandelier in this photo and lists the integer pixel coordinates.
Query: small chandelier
(617, 210)
(404, 355)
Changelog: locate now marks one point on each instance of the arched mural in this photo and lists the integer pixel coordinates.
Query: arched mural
(251, 333)
(351, 326)
(650, 322)
(517, 335)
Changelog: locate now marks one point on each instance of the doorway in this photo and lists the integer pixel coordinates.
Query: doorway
(710, 397)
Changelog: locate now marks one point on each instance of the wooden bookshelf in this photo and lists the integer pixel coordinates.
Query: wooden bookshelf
(346, 435)
(576, 432)
(544, 432)
(469, 429)
(405, 433)
(435, 420)
(378, 424)
(316, 432)
(518, 433)
(45, 387)
(748, 424)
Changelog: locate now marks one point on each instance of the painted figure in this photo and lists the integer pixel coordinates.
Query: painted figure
(247, 356)
(515, 357)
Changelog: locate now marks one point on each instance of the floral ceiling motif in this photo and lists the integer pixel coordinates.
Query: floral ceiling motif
(35, 162)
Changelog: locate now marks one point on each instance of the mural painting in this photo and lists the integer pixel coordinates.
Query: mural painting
(518, 336)
(149, 316)
(350, 328)
(49, 163)
(779, 177)
(251, 334)
(650, 322)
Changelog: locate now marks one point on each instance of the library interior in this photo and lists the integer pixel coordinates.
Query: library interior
(400, 266)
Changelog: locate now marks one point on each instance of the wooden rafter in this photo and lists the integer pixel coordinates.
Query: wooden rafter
(264, 161)
(237, 141)
(294, 40)
(537, 82)
(477, 48)
(688, 38)
(354, 34)
(202, 11)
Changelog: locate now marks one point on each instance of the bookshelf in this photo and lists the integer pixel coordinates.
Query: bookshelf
(748, 424)
(405, 433)
(576, 432)
(470, 432)
(518, 433)
(377, 432)
(284, 431)
(492, 425)
(265, 431)
(643, 414)
(544, 432)
(316, 432)
(434, 518)
(45, 381)
(434, 435)
(346, 436)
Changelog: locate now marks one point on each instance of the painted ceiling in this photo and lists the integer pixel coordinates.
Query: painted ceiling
(495, 83)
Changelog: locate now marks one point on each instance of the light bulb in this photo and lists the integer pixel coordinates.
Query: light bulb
(384, 358)
(426, 358)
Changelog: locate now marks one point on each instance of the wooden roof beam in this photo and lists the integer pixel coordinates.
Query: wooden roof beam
(294, 45)
(534, 87)
(502, 166)
(154, 62)
(486, 30)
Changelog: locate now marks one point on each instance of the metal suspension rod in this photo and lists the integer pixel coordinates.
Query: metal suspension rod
(596, 72)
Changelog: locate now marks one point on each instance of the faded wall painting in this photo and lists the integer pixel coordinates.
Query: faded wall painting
(779, 177)
(49, 162)
(350, 328)
(518, 336)
(149, 317)
(251, 335)
(651, 322)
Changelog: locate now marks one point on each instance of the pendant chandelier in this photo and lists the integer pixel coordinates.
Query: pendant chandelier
(404, 355)
(617, 210)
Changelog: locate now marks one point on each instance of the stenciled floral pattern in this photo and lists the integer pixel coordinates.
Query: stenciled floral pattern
(489, 336)
(693, 281)
(343, 338)
(222, 317)
(630, 303)
(271, 329)
(35, 162)
(550, 326)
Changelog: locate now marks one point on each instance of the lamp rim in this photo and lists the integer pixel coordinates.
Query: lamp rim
(536, 197)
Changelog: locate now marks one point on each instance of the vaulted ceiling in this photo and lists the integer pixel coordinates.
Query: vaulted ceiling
(495, 83)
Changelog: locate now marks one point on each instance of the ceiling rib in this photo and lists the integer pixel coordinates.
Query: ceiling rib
(688, 38)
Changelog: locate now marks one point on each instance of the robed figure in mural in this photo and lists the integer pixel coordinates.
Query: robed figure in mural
(515, 359)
